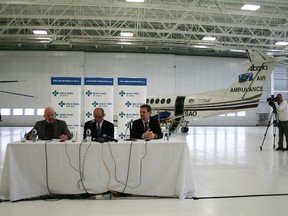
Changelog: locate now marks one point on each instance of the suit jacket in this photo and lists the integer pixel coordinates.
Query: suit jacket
(138, 128)
(107, 128)
(60, 127)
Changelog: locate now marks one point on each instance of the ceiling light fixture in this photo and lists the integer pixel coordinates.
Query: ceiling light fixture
(237, 50)
(250, 7)
(40, 32)
(139, 1)
(44, 41)
(281, 43)
(126, 34)
(43, 38)
(201, 46)
(208, 38)
(125, 43)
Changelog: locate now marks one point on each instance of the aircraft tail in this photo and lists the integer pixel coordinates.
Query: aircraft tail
(251, 81)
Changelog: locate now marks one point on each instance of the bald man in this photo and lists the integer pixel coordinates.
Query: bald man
(98, 125)
(50, 128)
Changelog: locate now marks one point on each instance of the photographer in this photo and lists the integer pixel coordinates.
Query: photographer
(282, 110)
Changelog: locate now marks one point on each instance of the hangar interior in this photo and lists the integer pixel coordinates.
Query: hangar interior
(40, 39)
(167, 75)
(165, 44)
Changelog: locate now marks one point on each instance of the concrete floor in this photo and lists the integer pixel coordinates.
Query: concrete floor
(233, 177)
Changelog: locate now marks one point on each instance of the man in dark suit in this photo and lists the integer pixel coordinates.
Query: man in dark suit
(50, 128)
(146, 127)
(98, 125)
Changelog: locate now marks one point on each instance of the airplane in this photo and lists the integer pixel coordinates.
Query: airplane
(244, 93)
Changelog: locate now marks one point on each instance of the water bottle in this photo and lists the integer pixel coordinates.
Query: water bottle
(166, 132)
(88, 135)
(74, 136)
(34, 135)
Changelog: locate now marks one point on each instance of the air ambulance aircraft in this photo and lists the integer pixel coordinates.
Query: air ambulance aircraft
(244, 93)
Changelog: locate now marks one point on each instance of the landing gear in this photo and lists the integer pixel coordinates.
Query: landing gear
(185, 129)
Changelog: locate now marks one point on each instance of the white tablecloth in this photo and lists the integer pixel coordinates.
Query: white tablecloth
(166, 169)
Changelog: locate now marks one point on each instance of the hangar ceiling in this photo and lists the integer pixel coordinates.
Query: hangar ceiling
(158, 26)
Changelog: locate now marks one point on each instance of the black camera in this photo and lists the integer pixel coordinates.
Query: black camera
(272, 99)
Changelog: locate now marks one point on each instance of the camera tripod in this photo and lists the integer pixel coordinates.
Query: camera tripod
(273, 120)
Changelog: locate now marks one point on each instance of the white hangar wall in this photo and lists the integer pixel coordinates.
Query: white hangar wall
(35, 68)
(166, 75)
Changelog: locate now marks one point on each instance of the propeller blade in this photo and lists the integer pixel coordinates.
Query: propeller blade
(13, 93)
(10, 81)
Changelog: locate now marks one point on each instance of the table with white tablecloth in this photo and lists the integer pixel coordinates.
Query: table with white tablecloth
(149, 168)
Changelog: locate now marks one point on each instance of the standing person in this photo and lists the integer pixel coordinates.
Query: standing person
(282, 111)
(146, 127)
(98, 125)
(50, 128)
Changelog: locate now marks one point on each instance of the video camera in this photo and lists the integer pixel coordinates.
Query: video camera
(272, 99)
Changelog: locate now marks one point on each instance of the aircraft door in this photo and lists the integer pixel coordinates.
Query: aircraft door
(178, 113)
(179, 106)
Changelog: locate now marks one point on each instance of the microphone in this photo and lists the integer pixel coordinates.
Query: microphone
(109, 138)
(34, 135)
(88, 135)
(129, 125)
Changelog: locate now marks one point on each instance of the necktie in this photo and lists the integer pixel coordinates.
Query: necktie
(146, 126)
(50, 131)
(98, 129)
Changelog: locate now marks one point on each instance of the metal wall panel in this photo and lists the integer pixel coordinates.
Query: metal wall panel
(35, 69)
(166, 75)
(158, 69)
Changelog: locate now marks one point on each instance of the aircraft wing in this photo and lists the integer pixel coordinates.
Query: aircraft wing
(10, 81)
(19, 94)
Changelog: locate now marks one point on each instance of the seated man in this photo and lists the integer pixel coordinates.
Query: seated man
(146, 127)
(98, 125)
(50, 128)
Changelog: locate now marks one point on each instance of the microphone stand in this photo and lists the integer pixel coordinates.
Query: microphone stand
(130, 128)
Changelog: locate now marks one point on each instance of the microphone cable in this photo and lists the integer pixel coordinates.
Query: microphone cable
(81, 167)
(69, 159)
(46, 168)
(106, 167)
(128, 169)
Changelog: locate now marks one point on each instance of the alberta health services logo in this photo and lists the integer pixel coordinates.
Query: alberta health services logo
(62, 94)
(100, 104)
(70, 105)
(88, 114)
(128, 115)
(95, 94)
(122, 93)
(129, 104)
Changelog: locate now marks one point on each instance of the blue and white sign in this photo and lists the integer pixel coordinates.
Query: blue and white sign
(98, 92)
(66, 100)
(131, 95)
